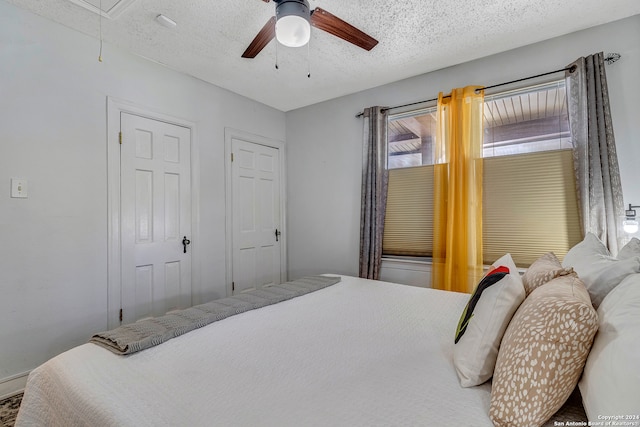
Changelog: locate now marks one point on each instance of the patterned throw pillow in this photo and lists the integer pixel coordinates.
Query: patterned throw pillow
(484, 320)
(543, 270)
(543, 353)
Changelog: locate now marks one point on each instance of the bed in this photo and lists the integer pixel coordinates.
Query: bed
(359, 352)
(356, 353)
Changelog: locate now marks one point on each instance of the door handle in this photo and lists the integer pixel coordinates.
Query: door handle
(277, 234)
(185, 242)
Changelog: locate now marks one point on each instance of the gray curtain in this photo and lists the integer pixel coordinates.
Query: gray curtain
(374, 191)
(595, 159)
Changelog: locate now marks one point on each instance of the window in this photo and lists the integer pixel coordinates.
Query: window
(529, 197)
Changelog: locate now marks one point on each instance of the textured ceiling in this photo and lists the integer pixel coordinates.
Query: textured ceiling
(416, 36)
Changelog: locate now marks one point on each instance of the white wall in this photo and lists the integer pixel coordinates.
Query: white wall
(324, 140)
(53, 245)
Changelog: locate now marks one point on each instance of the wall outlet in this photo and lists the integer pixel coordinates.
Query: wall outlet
(19, 188)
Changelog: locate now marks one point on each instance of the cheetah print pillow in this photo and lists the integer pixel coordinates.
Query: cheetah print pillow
(544, 269)
(542, 353)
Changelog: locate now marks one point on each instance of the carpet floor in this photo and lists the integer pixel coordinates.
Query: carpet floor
(9, 410)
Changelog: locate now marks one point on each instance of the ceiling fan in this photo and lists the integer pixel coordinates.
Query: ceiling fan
(291, 27)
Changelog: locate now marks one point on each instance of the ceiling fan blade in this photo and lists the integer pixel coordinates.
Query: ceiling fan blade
(266, 1)
(266, 34)
(325, 21)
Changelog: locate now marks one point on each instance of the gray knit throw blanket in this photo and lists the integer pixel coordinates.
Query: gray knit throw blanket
(147, 333)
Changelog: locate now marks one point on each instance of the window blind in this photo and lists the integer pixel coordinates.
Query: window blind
(408, 222)
(529, 208)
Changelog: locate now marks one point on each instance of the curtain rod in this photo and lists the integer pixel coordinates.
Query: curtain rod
(609, 59)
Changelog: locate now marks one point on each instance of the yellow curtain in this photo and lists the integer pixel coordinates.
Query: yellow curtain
(457, 239)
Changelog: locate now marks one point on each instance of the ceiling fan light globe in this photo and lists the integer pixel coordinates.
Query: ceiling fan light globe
(293, 31)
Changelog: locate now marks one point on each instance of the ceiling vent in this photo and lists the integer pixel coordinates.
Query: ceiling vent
(110, 8)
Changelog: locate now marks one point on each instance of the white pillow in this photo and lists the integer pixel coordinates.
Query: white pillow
(484, 320)
(630, 250)
(595, 266)
(610, 384)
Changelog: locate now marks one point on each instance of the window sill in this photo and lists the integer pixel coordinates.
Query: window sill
(407, 259)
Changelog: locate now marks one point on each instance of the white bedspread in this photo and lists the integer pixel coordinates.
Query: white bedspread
(358, 353)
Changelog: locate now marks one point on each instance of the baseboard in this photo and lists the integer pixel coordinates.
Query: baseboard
(13, 385)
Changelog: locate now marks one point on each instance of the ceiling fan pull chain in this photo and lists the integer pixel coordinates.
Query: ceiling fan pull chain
(277, 55)
(309, 59)
(100, 23)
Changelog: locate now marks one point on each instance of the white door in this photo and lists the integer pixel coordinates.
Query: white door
(255, 176)
(155, 194)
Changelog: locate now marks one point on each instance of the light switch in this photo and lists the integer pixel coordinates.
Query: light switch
(18, 188)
